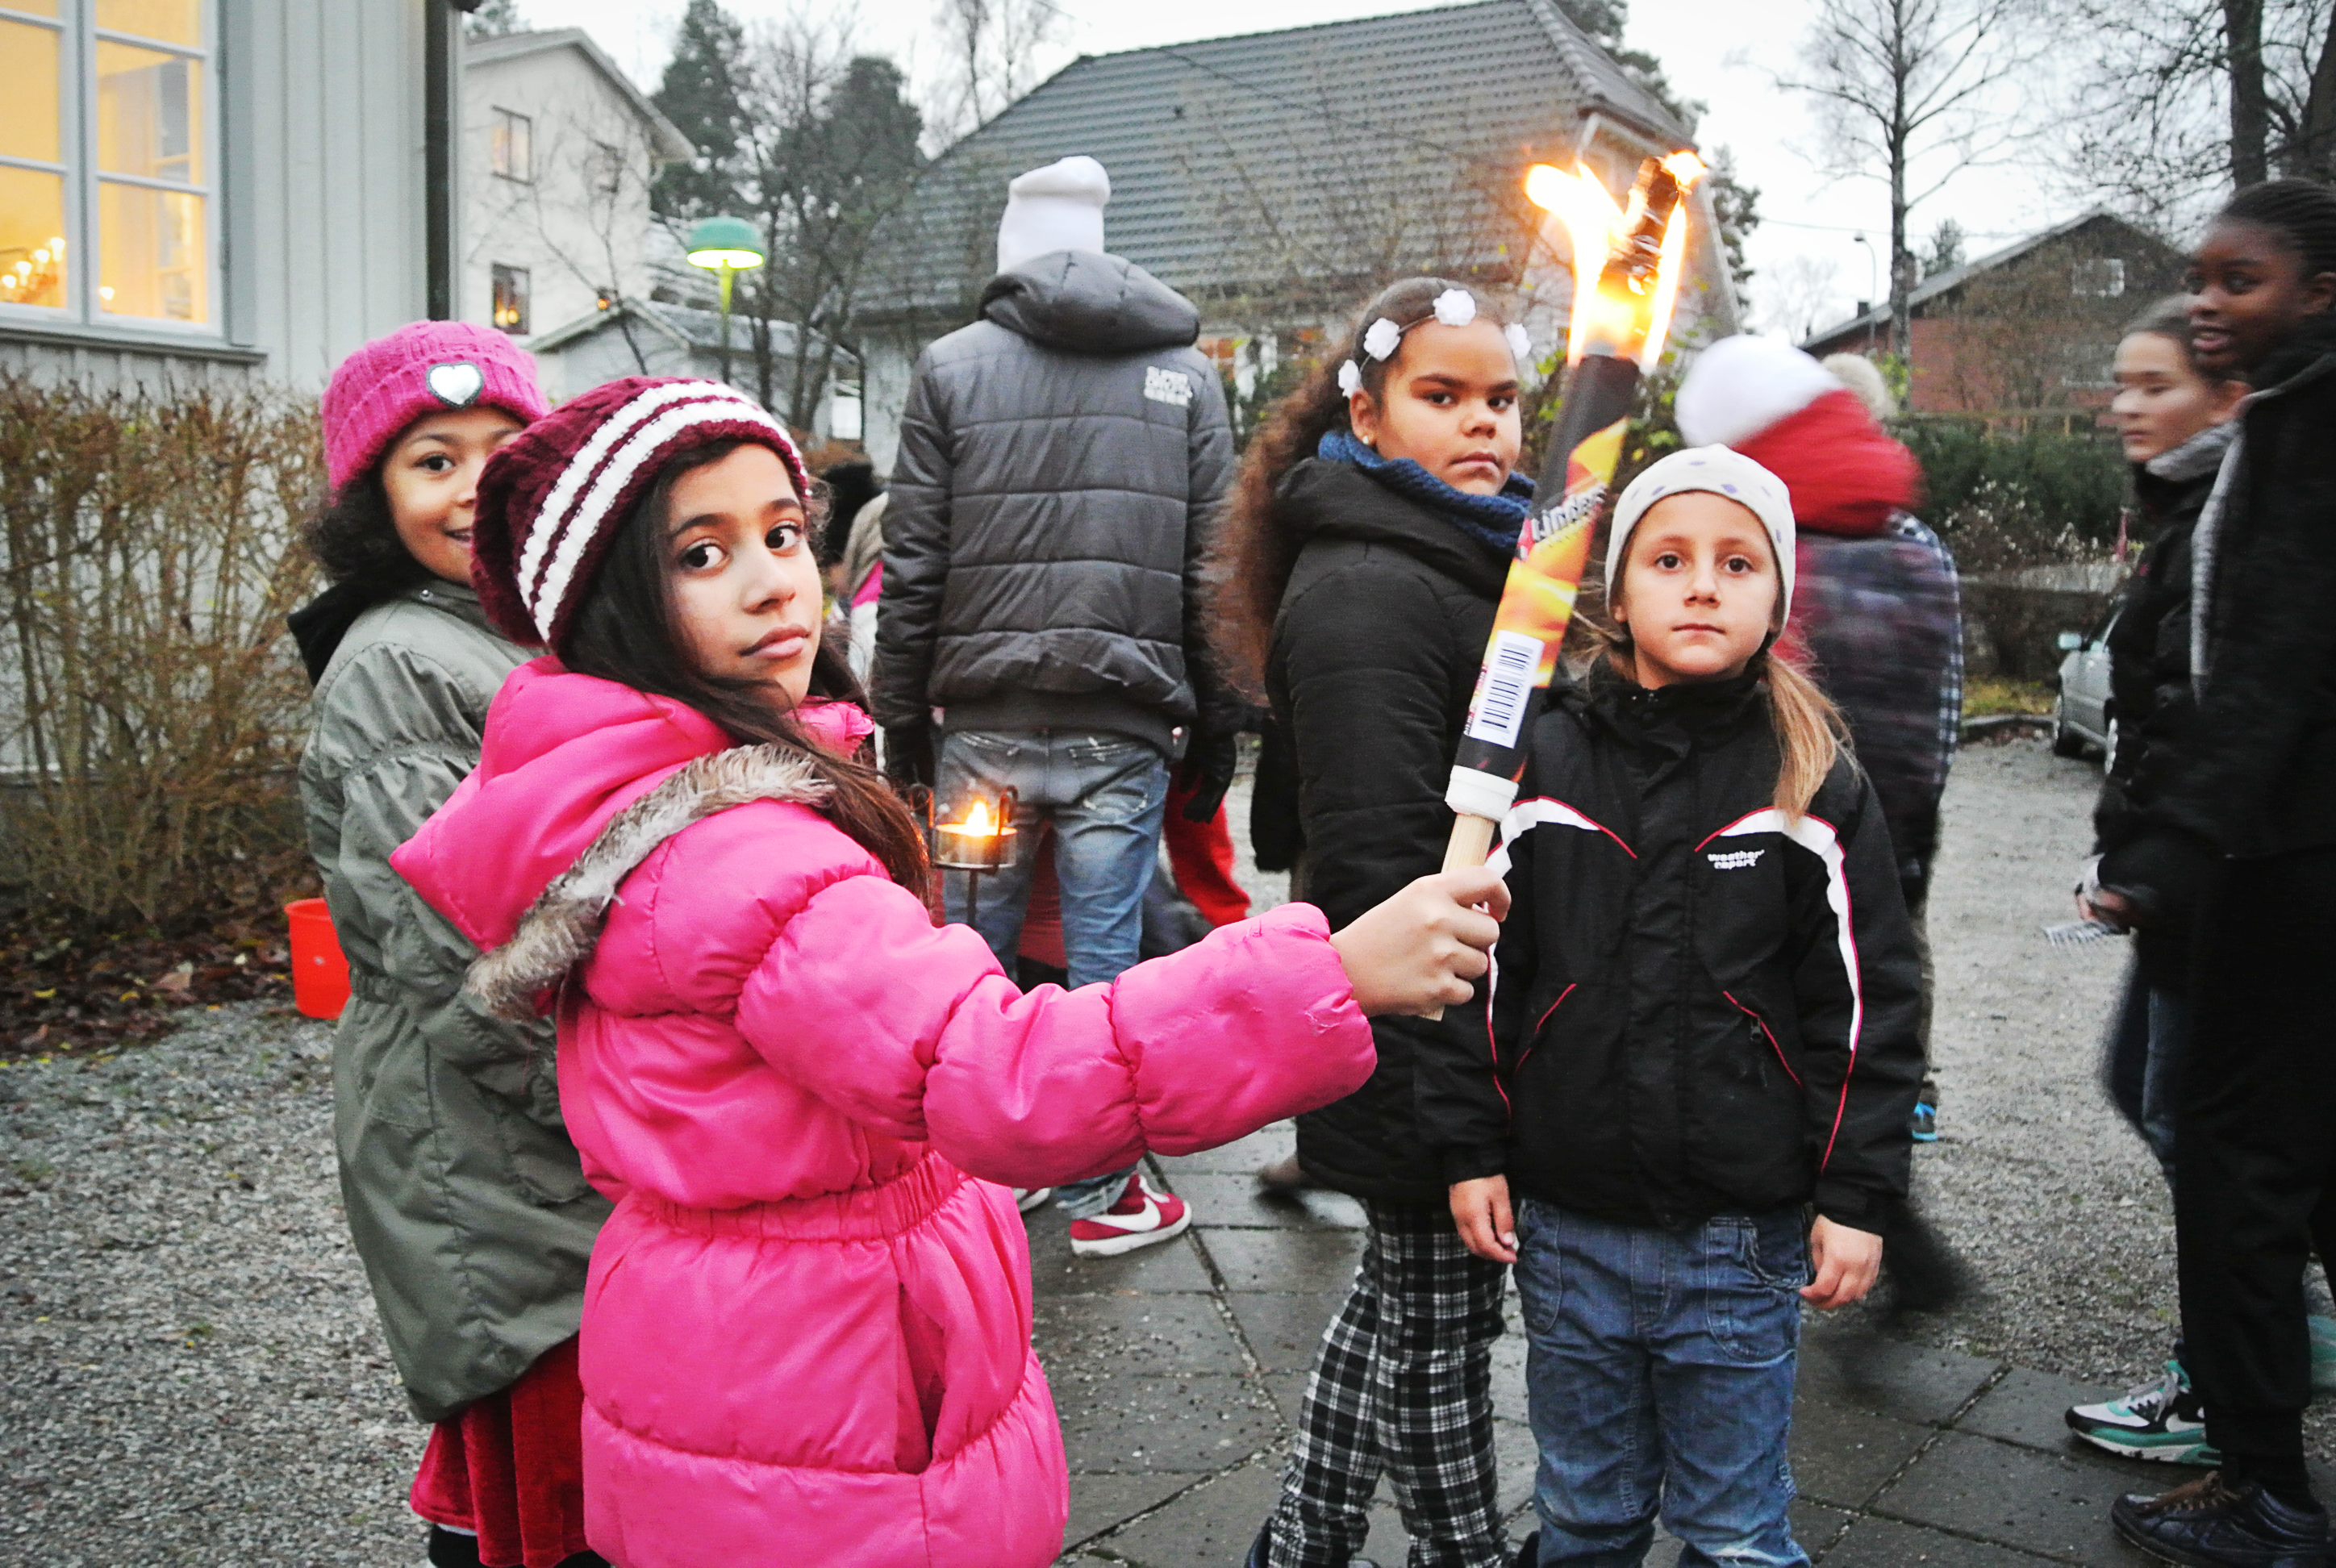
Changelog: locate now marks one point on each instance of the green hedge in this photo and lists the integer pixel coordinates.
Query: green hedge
(2006, 502)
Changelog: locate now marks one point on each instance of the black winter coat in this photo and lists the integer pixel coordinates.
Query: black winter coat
(1375, 653)
(2262, 781)
(1698, 1007)
(2149, 686)
(1060, 462)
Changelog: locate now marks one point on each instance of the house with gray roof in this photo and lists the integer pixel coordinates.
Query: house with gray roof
(1278, 178)
(2030, 328)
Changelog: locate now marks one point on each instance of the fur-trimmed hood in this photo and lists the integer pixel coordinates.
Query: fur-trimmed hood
(560, 928)
(578, 782)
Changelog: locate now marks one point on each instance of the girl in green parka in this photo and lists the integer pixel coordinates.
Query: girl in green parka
(465, 1198)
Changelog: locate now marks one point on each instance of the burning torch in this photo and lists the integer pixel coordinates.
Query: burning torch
(1626, 269)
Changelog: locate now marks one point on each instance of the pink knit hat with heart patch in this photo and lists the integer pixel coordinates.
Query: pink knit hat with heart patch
(423, 367)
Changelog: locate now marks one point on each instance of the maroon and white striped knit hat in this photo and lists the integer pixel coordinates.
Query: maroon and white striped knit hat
(554, 496)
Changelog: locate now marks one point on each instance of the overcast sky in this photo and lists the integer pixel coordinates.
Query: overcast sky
(1723, 52)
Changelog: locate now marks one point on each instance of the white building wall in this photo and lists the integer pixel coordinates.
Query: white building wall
(573, 235)
(321, 191)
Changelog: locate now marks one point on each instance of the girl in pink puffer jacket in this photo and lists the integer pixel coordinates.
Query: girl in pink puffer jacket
(806, 1332)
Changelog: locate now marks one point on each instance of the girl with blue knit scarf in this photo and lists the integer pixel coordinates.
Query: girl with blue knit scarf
(1362, 557)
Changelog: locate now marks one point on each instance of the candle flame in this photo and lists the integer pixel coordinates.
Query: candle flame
(979, 824)
(1630, 317)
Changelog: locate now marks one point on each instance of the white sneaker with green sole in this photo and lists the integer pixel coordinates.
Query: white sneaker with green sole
(2161, 1420)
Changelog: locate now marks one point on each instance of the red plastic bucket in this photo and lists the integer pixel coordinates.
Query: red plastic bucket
(320, 974)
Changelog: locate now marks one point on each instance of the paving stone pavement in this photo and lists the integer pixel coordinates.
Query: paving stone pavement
(1178, 1372)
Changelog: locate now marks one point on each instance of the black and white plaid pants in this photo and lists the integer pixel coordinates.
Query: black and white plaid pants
(1402, 1386)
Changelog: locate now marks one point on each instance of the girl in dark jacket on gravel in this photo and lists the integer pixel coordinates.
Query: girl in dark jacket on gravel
(1702, 1028)
(1371, 527)
(2246, 834)
(2173, 422)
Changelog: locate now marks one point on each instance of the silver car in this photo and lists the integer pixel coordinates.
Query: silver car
(2084, 715)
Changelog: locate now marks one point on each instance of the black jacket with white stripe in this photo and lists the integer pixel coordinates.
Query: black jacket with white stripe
(1699, 1006)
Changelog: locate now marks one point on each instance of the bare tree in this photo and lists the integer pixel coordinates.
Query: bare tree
(2175, 100)
(828, 149)
(1911, 93)
(1800, 296)
(584, 208)
(993, 52)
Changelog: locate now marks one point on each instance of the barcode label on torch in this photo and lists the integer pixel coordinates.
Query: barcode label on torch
(1506, 687)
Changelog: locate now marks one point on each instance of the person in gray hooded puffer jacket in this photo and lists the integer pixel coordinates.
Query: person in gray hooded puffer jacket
(1060, 461)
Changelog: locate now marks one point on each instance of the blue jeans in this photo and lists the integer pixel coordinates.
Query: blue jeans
(2145, 1063)
(1104, 793)
(1659, 1377)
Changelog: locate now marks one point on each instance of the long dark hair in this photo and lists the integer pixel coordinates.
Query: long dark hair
(629, 630)
(354, 536)
(1254, 549)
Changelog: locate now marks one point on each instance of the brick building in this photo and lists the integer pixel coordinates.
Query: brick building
(2030, 328)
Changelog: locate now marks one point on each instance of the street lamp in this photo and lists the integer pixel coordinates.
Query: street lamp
(1873, 282)
(727, 246)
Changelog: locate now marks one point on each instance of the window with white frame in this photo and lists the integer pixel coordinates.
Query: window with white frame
(108, 161)
(2102, 276)
(511, 146)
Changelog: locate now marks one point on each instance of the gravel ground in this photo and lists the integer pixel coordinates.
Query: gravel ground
(2039, 1184)
(194, 1374)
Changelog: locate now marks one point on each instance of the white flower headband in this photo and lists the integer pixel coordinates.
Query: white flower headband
(1452, 307)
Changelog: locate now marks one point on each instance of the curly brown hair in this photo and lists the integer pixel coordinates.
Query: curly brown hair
(1251, 559)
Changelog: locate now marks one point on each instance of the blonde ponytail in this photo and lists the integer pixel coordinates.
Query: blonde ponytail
(1810, 734)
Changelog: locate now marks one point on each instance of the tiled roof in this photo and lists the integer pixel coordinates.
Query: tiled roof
(1235, 162)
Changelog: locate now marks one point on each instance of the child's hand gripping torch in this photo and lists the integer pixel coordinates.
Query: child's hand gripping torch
(1620, 314)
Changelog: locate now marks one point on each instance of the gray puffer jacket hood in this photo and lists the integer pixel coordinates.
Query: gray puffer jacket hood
(1061, 460)
(1085, 303)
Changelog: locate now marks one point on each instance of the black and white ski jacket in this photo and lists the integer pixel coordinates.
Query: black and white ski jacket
(1698, 1007)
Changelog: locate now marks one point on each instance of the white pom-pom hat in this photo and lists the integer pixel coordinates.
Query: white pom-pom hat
(1716, 471)
(1739, 387)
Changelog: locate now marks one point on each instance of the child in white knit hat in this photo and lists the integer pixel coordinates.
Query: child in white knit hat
(1693, 1113)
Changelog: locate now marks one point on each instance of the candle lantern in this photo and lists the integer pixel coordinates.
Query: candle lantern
(982, 843)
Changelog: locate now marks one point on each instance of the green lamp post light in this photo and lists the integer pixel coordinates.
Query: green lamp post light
(726, 247)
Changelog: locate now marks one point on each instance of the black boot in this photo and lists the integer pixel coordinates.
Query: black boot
(2209, 1524)
(453, 1549)
(1529, 1555)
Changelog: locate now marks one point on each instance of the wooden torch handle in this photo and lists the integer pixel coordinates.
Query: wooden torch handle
(1471, 841)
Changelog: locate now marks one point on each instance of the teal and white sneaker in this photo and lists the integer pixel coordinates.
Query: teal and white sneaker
(2162, 1420)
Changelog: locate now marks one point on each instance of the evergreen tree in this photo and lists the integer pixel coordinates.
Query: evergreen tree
(704, 93)
(1946, 251)
(1603, 21)
(1734, 203)
(495, 19)
(829, 170)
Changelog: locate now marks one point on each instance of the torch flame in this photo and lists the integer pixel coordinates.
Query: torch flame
(1628, 319)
